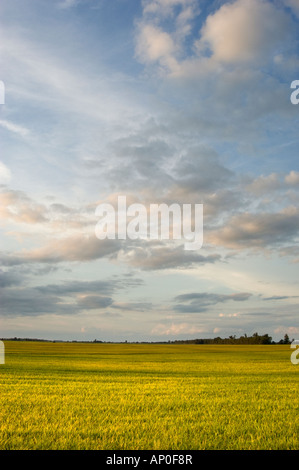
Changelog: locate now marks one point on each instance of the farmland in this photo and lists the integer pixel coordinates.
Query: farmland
(147, 396)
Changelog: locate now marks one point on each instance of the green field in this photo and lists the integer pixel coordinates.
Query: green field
(148, 396)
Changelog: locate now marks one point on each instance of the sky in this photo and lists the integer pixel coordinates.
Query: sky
(160, 101)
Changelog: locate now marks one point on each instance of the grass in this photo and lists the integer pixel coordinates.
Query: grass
(147, 396)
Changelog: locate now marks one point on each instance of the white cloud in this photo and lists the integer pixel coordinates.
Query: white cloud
(164, 8)
(154, 44)
(65, 4)
(229, 315)
(292, 178)
(243, 31)
(5, 174)
(176, 329)
(264, 184)
(291, 330)
(15, 128)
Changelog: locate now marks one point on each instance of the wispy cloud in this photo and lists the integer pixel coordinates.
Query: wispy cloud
(15, 128)
(5, 174)
(65, 4)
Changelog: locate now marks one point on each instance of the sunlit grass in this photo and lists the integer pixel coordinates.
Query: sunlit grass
(148, 396)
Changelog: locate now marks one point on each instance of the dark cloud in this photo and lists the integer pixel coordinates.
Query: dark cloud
(196, 302)
(281, 297)
(200, 170)
(156, 257)
(78, 287)
(64, 298)
(133, 306)
(29, 301)
(9, 279)
(88, 302)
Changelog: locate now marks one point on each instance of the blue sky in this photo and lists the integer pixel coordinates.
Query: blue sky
(163, 101)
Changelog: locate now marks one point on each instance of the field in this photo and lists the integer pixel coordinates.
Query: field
(147, 396)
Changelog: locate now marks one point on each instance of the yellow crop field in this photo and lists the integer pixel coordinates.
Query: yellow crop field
(147, 396)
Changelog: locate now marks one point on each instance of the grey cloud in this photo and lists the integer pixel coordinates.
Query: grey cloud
(196, 302)
(259, 314)
(8, 279)
(145, 256)
(290, 251)
(64, 298)
(199, 169)
(61, 208)
(152, 257)
(140, 174)
(28, 301)
(18, 207)
(136, 159)
(133, 306)
(213, 298)
(70, 297)
(281, 297)
(75, 248)
(31, 301)
(145, 148)
(78, 287)
(91, 288)
(94, 302)
(260, 230)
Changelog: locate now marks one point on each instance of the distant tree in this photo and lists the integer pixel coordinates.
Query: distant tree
(286, 339)
(266, 339)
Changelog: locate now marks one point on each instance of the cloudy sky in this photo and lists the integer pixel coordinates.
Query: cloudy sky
(161, 101)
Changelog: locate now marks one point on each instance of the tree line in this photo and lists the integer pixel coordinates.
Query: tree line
(254, 339)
